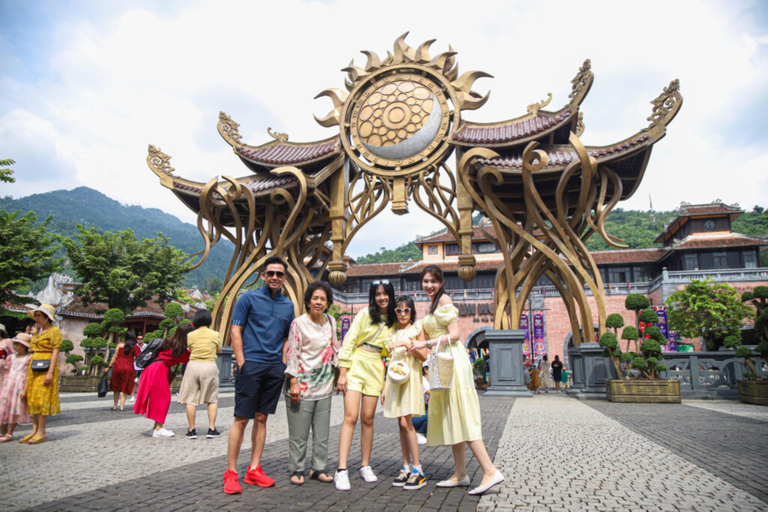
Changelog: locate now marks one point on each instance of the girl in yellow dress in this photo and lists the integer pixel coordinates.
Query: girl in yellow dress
(454, 414)
(361, 376)
(42, 392)
(403, 401)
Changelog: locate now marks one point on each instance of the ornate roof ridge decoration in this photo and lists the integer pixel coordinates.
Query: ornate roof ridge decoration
(665, 107)
(536, 123)
(397, 114)
(278, 151)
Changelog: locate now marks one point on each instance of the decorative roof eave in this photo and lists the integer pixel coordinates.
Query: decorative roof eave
(261, 184)
(534, 125)
(278, 152)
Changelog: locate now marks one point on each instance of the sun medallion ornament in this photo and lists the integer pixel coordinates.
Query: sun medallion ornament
(399, 112)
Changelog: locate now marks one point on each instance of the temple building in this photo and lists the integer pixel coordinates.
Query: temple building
(698, 243)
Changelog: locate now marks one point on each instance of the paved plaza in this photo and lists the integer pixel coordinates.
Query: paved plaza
(557, 453)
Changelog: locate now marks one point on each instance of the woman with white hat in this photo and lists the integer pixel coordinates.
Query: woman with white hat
(42, 392)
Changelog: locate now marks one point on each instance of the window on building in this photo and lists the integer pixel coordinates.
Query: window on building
(734, 259)
(483, 247)
(618, 275)
(691, 261)
(750, 259)
(720, 260)
(432, 250)
(642, 274)
(705, 260)
(452, 249)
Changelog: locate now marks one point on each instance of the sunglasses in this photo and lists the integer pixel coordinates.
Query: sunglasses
(272, 273)
(402, 310)
(382, 281)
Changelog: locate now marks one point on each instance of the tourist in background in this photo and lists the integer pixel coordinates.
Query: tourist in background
(557, 369)
(454, 414)
(6, 351)
(260, 326)
(564, 378)
(545, 375)
(139, 343)
(403, 401)
(42, 393)
(311, 357)
(154, 395)
(200, 383)
(535, 380)
(361, 376)
(123, 372)
(420, 422)
(13, 410)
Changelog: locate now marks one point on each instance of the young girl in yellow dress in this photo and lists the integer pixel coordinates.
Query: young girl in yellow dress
(361, 376)
(403, 401)
(454, 414)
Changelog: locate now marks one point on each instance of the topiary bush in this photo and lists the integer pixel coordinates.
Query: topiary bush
(67, 346)
(614, 321)
(645, 362)
(611, 345)
(173, 310)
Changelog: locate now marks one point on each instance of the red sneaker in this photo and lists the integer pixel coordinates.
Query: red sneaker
(231, 483)
(257, 477)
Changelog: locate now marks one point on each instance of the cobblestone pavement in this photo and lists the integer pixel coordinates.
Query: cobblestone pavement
(566, 454)
(557, 453)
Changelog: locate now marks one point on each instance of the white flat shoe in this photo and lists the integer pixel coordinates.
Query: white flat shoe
(464, 482)
(497, 479)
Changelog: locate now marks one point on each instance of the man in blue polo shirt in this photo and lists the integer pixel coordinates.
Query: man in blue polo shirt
(260, 327)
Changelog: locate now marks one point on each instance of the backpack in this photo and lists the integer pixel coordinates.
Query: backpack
(149, 354)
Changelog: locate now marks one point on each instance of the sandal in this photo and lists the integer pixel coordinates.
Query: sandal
(320, 476)
(295, 476)
(26, 438)
(36, 440)
(6, 437)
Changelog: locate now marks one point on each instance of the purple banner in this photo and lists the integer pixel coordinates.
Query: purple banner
(524, 325)
(346, 321)
(661, 311)
(539, 343)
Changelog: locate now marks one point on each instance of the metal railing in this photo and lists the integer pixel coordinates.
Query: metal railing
(708, 374)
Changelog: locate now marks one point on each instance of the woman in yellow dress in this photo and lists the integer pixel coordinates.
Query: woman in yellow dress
(42, 392)
(454, 414)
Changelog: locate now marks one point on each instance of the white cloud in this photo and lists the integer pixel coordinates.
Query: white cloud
(120, 81)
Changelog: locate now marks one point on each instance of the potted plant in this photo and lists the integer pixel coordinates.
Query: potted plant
(83, 378)
(642, 368)
(477, 371)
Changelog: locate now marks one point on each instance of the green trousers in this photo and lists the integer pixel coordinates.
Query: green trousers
(301, 417)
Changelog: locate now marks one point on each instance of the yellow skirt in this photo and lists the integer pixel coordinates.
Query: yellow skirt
(42, 399)
(454, 414)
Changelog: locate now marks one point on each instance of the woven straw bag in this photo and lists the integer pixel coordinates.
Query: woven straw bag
(440, 369)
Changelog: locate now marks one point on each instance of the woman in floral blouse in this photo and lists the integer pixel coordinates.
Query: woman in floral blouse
(311, 354)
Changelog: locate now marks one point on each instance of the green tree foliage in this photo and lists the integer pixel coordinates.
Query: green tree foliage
(67, 346)
(26, 254)
(636, 228)
(174, 310)
(87, 207)
(614, 321)
(74, 360)
(611, 345)
(6, 174)
(707, 309)
(120, 270)
(403, 253)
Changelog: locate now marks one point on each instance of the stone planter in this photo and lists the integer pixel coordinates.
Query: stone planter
(643, 391)
(753, 392)
(79, 384)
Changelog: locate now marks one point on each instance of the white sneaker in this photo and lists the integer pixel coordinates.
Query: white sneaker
(420, 438)
(367, 473)
(163, 432)
(133, 399)
(341, 479)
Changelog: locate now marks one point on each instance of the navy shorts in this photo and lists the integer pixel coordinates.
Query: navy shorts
(257, 388)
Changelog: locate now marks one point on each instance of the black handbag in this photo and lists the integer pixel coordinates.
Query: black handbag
(40, 365)
(103, 386)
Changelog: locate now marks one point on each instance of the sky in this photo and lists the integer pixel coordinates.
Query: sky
(86, 86)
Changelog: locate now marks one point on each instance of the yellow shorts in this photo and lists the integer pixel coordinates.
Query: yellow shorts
(366, 375)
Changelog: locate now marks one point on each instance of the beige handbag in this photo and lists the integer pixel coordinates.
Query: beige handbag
(398, 370)
(440, 369)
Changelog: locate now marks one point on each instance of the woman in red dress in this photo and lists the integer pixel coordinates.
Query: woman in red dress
(154, 395)
(123, 373)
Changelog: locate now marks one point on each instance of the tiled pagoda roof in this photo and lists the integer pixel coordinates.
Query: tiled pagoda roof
(276, 154)
(512, 130)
